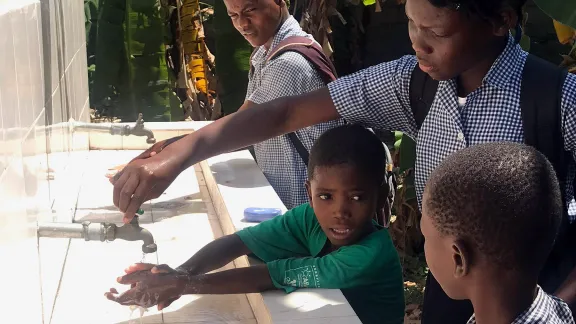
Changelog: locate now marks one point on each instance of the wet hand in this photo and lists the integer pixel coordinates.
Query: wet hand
(142, 180)
(157, 269)
(151, 151)
(155, 285)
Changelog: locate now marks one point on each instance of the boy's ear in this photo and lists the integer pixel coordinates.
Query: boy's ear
(506, 20)
(308, 191)
(462, 258)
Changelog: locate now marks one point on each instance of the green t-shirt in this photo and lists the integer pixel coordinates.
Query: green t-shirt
(368, 272)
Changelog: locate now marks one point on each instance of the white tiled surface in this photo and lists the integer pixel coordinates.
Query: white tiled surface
(181, 225)
(35, 73)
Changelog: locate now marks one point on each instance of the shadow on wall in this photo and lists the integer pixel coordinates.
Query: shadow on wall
(239, 178)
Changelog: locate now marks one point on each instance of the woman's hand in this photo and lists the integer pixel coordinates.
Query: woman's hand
(150, 285)
(142, 180)
(150, 152)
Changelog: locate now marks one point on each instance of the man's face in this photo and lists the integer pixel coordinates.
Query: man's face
(447, 43)
(256, 20)
(344, 202)
(440, 257)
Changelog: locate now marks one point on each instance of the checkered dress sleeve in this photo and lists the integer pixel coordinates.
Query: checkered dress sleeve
(569, 131)
(377, 97)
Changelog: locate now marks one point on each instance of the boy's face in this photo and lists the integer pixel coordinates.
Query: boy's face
(344, 203)
(256, 20)
(443, 256)
(448, 43)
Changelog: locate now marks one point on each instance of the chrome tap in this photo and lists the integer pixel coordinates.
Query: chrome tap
(103, 232)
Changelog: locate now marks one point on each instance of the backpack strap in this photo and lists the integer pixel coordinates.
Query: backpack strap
(541, 102)
(422, 93)
(308, 48)
(312, 52)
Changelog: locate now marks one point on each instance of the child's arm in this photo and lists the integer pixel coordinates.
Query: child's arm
(149, 289)
(215, 255)
(246, 280)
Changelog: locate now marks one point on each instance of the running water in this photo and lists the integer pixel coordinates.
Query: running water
(146, 258)
(142, 311)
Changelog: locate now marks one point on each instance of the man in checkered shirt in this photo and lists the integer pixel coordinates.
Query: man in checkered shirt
(466, 45)
(265, 23)
(481, 209)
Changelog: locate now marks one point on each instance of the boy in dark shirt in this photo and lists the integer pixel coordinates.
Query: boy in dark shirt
(332, 242)
(490, 215)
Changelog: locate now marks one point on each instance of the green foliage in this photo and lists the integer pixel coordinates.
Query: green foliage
(563, 11)
(232, 61)
(131, 74)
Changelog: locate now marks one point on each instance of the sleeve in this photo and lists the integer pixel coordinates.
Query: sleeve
(377, 97)
(350, 266)
(569, 132)
(279, 238)
(287, 75)
(569, 113)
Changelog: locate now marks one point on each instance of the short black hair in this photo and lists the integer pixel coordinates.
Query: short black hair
(484, 9)
(504, 198)
(353, 145)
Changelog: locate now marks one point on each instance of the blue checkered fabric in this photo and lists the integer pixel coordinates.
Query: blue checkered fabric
(379, 97)
(545, 309)
(288, 74)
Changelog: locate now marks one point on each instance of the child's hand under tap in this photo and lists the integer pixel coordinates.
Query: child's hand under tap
(154, 285)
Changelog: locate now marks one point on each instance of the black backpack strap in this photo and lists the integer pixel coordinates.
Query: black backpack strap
(540, 103)
(422, 93)
(302, 151)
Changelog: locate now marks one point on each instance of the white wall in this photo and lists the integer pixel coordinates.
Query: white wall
(43, 83)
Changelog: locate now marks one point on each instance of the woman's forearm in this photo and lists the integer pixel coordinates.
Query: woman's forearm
(254, 125)
(236, 281)
(215, 255)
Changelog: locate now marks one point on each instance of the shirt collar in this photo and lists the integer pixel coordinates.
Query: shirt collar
(290, 27)
(505, 65)
(538, 309)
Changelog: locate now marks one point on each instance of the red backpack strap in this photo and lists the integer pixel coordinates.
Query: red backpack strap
(311, 51)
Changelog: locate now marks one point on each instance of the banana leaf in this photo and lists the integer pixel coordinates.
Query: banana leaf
(407, 151)
(130, 63)
(232, 61)
(147, 71)
(563, 11)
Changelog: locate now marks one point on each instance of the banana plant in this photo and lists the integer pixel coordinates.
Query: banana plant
(130, 75)
(232, 61)
(563, 11)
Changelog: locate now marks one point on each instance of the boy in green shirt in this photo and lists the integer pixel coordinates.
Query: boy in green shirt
(332, 242)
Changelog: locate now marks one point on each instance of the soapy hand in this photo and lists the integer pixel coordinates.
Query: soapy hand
(150, 285)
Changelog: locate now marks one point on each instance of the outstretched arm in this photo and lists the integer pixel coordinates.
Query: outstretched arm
(215, 255)
(259, 123)
(246, 280)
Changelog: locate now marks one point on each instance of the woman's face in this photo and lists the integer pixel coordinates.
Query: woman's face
(447, 42)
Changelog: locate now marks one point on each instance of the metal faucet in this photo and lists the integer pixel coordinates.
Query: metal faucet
(133, 232)
(140, 130)
(103, 232)
(124, 130)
